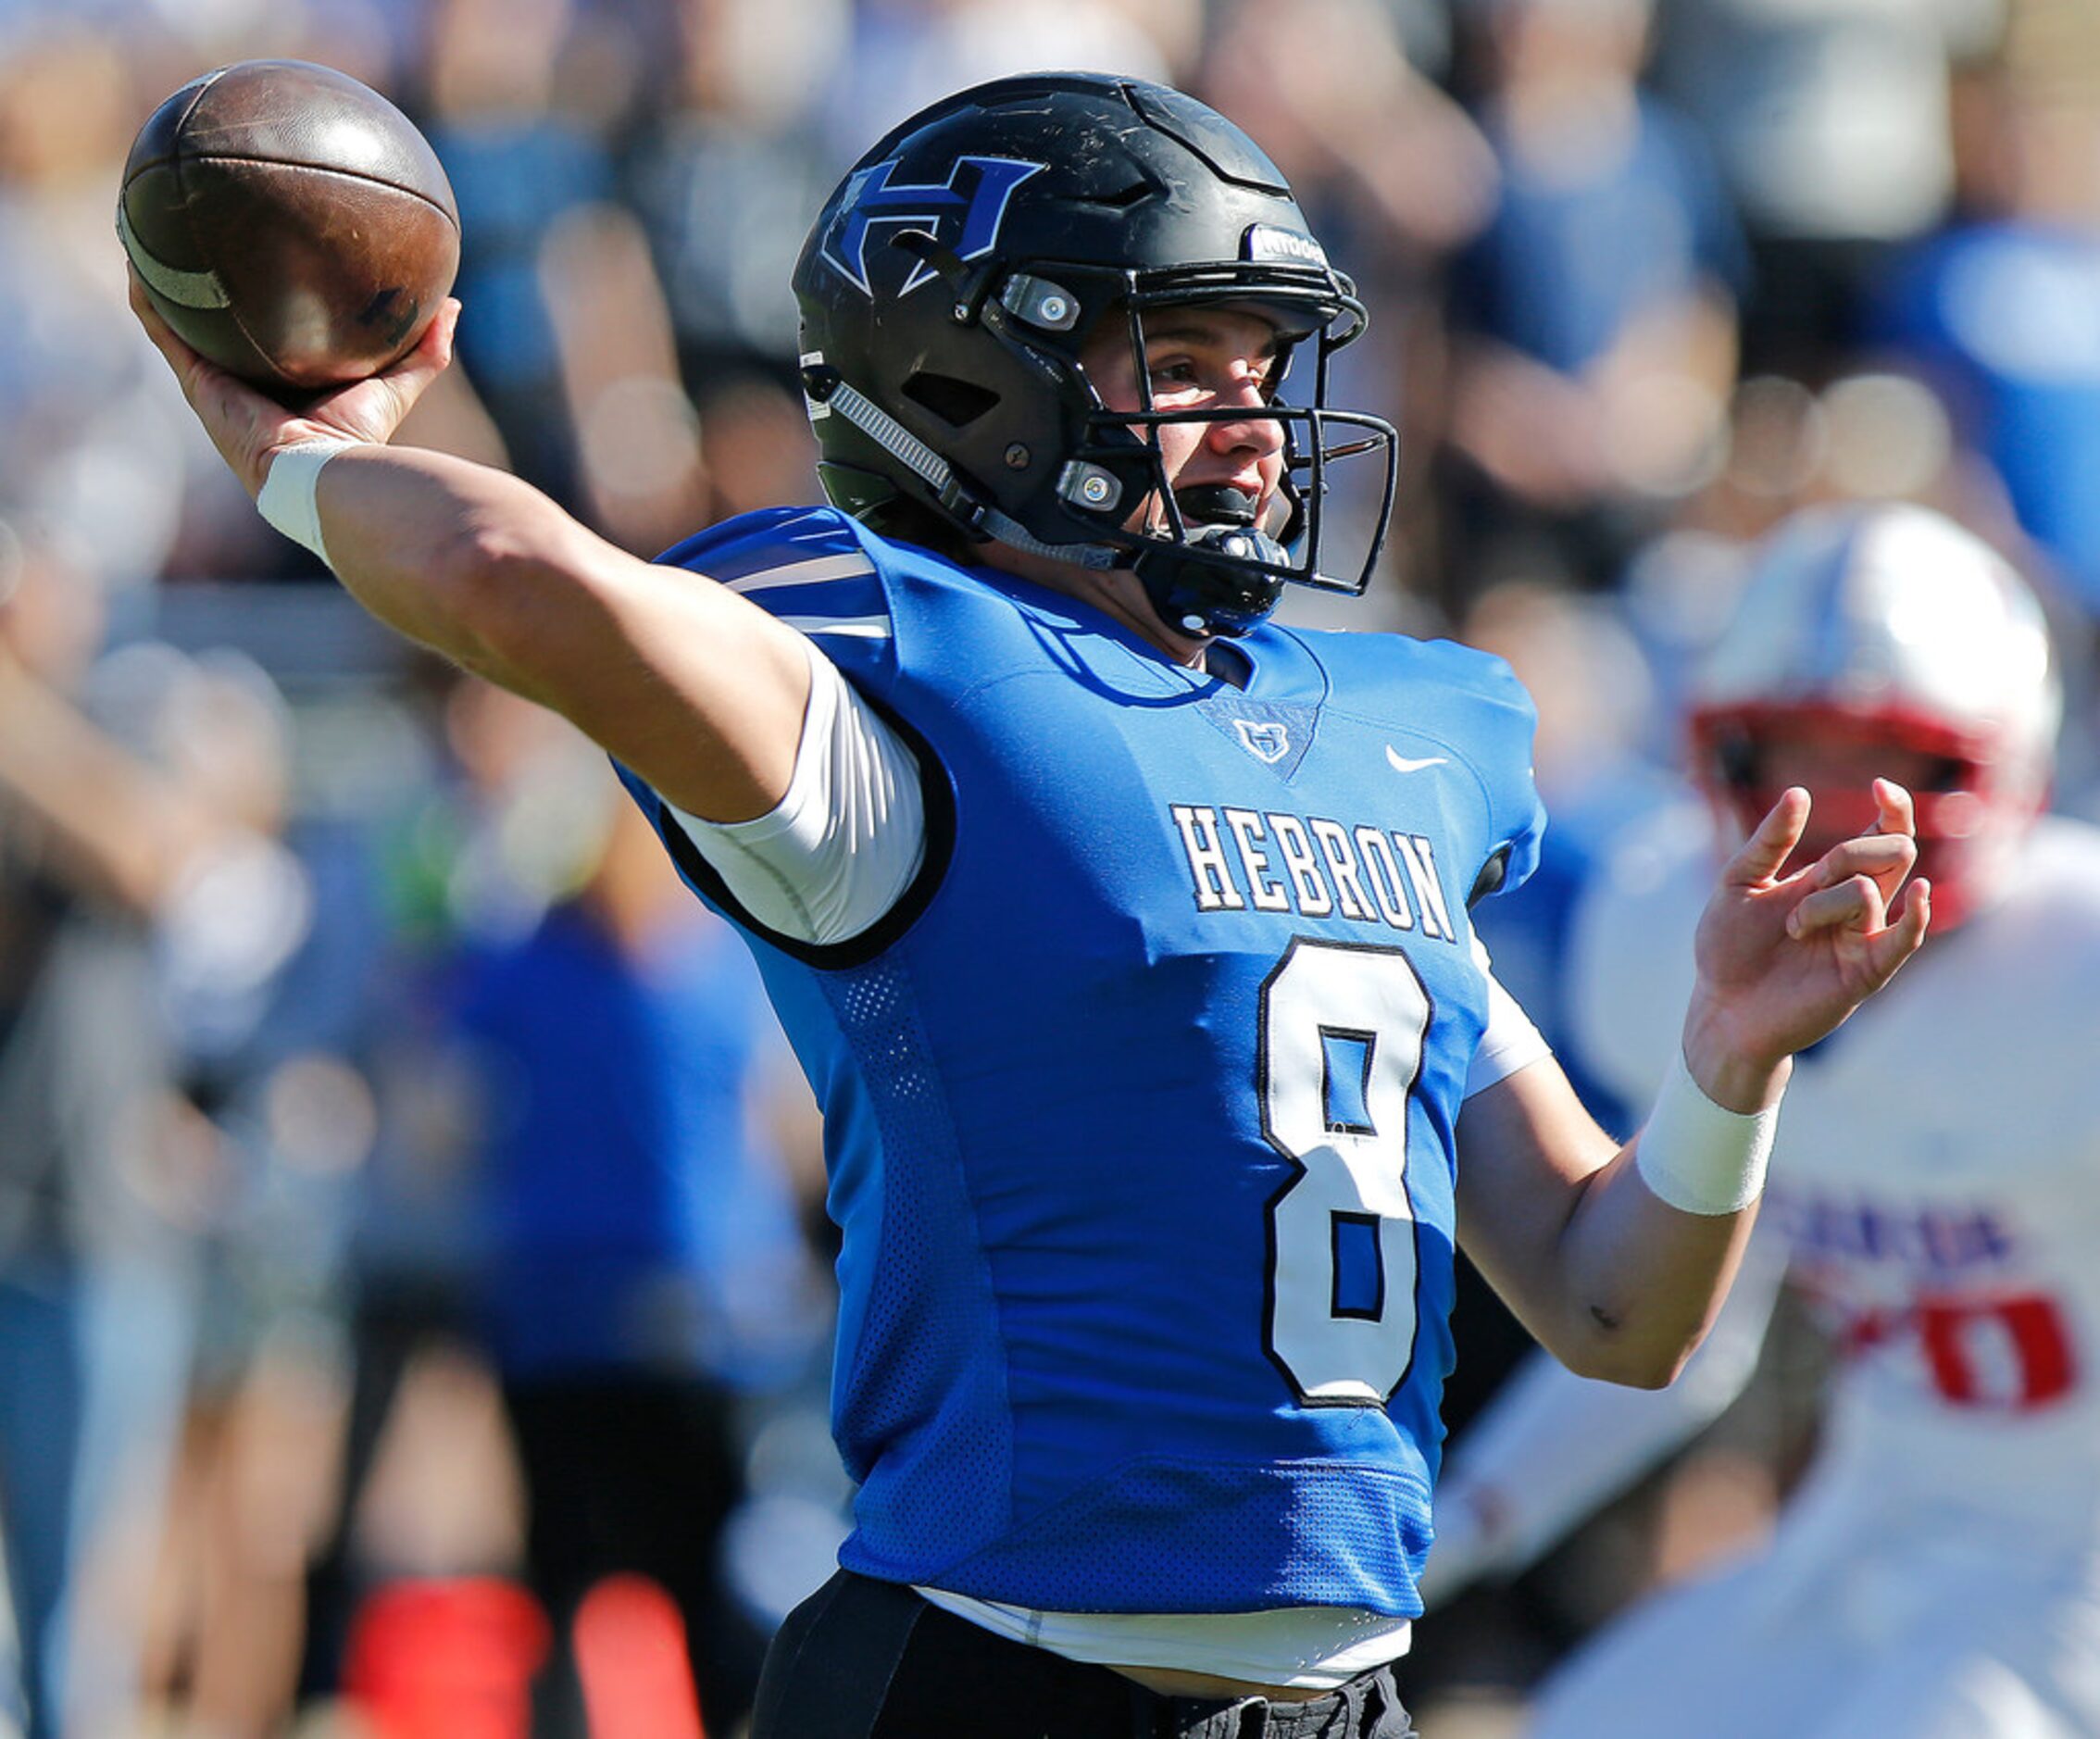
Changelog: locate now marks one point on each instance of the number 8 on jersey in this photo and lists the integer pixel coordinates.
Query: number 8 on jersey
(1341, 1047)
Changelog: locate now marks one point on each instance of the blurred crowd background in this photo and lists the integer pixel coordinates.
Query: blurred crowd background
(376, 1115)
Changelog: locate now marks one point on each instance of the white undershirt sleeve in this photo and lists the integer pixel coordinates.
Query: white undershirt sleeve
(1510, 1040)
(835, 854)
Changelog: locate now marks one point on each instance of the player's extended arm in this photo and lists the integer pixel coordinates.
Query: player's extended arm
(1615, 1259)
(1551, 1447)
(699, 692)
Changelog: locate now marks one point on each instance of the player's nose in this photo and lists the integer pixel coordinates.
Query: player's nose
(1259, 431)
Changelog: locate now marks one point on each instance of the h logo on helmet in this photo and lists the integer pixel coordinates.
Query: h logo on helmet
(964, 212)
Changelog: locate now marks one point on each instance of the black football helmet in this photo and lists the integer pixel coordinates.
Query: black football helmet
(951, 280)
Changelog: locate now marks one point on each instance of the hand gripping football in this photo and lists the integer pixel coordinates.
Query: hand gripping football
(291, 224)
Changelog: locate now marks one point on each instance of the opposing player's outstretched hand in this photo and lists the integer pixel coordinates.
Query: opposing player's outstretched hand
(247, 425)
(1782, 959)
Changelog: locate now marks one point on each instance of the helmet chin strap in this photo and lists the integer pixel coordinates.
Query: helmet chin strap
(982, 518)
(1193, 596)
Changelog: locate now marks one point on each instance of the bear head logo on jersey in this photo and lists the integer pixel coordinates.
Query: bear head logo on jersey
(952, 279)
(1888, 626)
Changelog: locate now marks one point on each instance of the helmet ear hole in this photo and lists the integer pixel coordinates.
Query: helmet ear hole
(956, 402)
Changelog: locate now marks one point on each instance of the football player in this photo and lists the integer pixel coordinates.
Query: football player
(1934, 1196)
(1123, 934)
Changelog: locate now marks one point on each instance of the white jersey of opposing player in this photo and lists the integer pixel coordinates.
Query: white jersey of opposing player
(1936, 1191)
(1937, 1175)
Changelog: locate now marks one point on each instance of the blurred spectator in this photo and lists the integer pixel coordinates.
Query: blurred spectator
(620, 1293)
(102, 1183)
(643, 1263)
(1596, 313)
(640, 477)
(1330, 90)
(727, 178)
(1868, 435)
(2001, 309)
(267, 970)
(1830, 117)
(906, 53)
(495, 822)
(573, 350)
(482, 817)
(521, 149)
(93, 459)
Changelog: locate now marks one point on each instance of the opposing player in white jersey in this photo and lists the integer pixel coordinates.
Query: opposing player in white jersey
(1935, 1195)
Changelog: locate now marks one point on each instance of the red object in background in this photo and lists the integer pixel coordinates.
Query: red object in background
(630, 1655)
(448, 1658)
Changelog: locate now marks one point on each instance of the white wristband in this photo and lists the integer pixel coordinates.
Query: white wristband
(1699, 1157)
(287, 499)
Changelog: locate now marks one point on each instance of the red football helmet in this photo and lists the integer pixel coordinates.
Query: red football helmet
(1890, 626)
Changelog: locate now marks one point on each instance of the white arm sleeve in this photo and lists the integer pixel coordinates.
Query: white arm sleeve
(834, 856)
(1553, 1446)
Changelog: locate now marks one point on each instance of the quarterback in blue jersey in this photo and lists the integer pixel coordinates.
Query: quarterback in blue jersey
(1123, 934)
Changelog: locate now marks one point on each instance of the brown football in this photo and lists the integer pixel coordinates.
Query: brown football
(290, 224)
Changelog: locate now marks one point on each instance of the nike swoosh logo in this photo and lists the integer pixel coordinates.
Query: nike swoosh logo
(1401, 764)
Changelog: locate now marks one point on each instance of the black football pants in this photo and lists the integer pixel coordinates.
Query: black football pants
(867, 1659)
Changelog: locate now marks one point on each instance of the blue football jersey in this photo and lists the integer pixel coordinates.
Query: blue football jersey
(1139, 1107)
